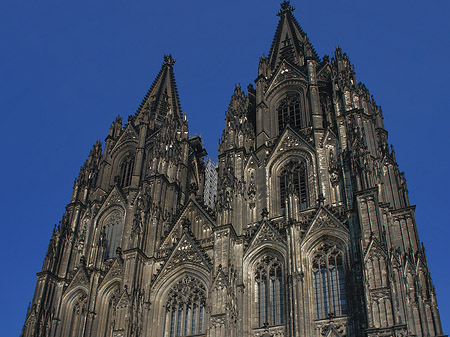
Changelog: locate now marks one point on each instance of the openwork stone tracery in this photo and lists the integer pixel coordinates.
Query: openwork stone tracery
(269, 290)
(185, 308)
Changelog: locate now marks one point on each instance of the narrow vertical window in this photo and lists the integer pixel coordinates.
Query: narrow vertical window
(293, 182)
(113, 229)
(269, 291)
(329, 283)
(126, 170)
(289, 112)
(194, 311)
(186, 305)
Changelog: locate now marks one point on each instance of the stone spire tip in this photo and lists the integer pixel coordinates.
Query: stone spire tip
(285, 7)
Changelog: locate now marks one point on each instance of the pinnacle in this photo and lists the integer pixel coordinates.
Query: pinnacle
(163, 93)
(285, 7)
(168, 60)
(290, 41)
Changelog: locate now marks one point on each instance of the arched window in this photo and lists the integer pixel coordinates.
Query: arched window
(293, 181)
(329, 282)
(269, 291)
(126, 170)
(289, 112)
(185, 308)
(77, 315)
(113, 229)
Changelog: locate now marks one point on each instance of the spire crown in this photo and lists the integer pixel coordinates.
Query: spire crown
(285, 7)
(169, 60)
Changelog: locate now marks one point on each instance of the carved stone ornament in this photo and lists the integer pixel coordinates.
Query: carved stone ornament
(184, 253)
(324, 221)
(286, 73)
(265, 234)
(113, 272)
(113, 199)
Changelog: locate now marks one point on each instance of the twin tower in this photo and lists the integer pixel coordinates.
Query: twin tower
(311, 233)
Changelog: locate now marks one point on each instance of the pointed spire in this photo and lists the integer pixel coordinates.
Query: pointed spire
(290, 42)
(285, 7)
(162, 96)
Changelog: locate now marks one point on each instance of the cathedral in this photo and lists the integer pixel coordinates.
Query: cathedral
(302, 228)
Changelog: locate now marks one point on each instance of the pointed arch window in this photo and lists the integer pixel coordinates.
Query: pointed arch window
(293, 181)
(289, 112)
(126, 170)
(77, 312)
(329, 282)
(269, 291)
(185, 308)
(112, 230)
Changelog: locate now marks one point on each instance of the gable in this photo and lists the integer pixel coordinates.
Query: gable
(114, 272)
(81, 279)
(285, 72)
(128, 135)
(115, 197)
(290, 141)
(192, 209)
(265, 234)
(186, 252)
(374, 248)
(326, 221)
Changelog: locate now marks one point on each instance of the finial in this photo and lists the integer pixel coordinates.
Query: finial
(285, 7)
(168, 60)
(264, 213)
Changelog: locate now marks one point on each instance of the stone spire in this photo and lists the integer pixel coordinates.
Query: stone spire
(290, 42)
(162, 97)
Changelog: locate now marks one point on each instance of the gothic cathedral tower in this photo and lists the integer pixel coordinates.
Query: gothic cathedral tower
(311, 234)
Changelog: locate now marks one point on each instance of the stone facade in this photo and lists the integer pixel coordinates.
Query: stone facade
(311, 234)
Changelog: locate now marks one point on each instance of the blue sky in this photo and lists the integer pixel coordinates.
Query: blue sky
(67, 69)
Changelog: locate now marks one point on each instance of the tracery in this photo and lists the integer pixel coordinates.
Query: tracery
(112, 231)
(126, 170)
(289, 112)
(329, 282)
(293, 181)
(269, 292)
(185, 308)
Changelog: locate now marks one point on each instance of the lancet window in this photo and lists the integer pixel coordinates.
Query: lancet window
(329, 282)
(126, 170)
(293, 182)
(185, 308)
(77, 316)
(112, 231)
(269, 291)
(289, 112)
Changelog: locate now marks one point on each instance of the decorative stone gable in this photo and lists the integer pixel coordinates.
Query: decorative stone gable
(114, 198)
(265, 234)
(128, 135)
(290, 141)
(114, 272)
(81, 278)
(220, 281)
(286, 72)
(185, 252)
(375, 249)
(325, 221)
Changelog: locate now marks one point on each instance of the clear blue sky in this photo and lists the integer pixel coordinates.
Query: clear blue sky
(67, 68)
